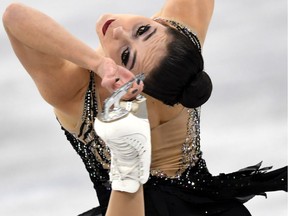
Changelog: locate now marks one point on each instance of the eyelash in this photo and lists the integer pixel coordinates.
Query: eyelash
(126, 53)
(142, 29)
(125, 56)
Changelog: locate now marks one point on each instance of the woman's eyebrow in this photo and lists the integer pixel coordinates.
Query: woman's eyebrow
(133, 61)
(135, 54)
(149, 35)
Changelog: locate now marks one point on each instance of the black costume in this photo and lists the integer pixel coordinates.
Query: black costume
(194, 191)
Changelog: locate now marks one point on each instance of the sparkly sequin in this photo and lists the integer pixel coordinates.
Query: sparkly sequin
(191, 147)
(184, 30)
(92, 150)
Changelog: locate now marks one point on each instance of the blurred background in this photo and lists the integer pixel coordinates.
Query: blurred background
(243, 123)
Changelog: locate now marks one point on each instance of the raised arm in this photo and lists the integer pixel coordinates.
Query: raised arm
(58, 62)
(196, 14)
(49, 53)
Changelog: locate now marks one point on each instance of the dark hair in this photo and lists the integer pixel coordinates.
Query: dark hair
(179, 77)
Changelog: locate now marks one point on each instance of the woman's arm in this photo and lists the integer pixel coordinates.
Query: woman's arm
(41, 34)
(49, 53)
(196, 14)
(56, 60)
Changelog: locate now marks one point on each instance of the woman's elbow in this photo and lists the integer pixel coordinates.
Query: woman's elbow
(11, 14)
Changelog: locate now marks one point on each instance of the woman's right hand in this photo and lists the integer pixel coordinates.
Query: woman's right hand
(114, 76)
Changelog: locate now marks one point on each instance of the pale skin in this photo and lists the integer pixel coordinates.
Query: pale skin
(60, 64)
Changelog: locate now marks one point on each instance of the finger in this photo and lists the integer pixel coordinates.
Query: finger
(111, 84)
(124, 74)
(138, 84)
(136, 89)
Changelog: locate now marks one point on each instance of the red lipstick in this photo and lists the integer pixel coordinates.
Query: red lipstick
(106, 25)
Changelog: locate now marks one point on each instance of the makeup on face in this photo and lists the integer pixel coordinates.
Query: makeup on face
(143, 31)
(106, 25)
(129, 46)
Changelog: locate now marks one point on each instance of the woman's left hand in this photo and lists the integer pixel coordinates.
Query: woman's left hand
(114, 76)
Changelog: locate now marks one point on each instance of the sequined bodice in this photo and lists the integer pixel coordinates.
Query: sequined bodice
(92, 150)
(96, 156)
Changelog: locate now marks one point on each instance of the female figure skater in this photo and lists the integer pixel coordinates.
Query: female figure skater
(76, 80)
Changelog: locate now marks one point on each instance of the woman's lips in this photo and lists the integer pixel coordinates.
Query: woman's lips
(106, 25)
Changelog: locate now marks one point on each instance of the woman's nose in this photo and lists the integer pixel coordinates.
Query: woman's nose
(118, 33)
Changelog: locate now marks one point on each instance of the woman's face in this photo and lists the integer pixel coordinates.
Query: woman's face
(135, 42)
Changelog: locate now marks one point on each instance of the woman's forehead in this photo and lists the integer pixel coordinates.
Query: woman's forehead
(152, 52)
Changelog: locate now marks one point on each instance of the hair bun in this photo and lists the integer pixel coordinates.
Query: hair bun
(197, 92)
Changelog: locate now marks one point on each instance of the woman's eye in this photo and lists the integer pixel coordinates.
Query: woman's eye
(125, 56)
(142, 29)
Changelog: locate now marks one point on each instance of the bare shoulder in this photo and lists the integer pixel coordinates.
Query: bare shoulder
(196, 14)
